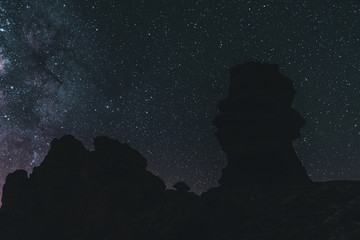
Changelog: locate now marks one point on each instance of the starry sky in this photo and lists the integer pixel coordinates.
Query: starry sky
(150, 73)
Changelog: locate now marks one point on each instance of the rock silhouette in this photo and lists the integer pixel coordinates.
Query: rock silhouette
(77, 194)
(256, 127)
(15, 191)
(76, 187)
(181, 187)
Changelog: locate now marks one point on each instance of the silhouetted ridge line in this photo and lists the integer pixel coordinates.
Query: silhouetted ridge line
(77, 187)
(256, 127)
(77, 194)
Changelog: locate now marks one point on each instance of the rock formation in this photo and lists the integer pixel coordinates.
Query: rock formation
(81, 192)
(181, 187)
(76, 194)
(15, 191)
(256, 127)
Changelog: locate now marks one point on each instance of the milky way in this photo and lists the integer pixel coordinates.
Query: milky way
(45, 82)
(67, 70)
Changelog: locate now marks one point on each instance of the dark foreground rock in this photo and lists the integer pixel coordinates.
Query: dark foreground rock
(256, 127)
(323, 211)
(75, 192)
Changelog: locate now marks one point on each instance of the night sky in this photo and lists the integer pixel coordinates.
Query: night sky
(150, 73)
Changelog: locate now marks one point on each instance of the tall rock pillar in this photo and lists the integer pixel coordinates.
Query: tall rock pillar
(256, 128)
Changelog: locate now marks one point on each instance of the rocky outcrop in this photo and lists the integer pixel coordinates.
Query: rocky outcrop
(181, 187)
(256, 127)
(82, 192)
(16, 191)
(115, 188)
(76, 194)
